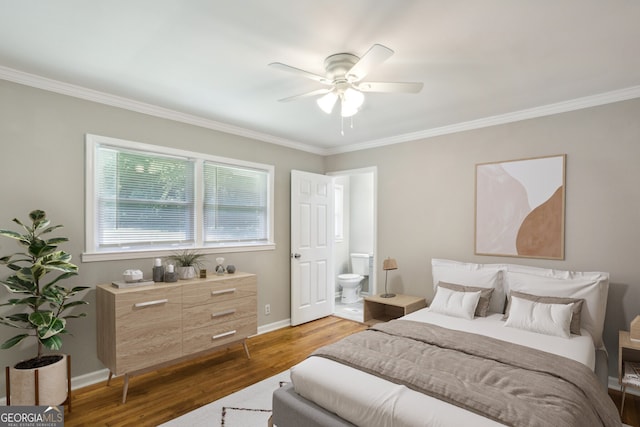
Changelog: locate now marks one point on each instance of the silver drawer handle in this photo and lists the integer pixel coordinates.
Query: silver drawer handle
(224, 291)
(226, 334)
(223, 313)
(150, 303)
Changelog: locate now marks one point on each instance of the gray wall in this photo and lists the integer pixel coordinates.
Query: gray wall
(42, 167)
(426, 199)
(425, 195)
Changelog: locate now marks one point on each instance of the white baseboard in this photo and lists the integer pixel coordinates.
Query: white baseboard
(273, 326)
(89, 379)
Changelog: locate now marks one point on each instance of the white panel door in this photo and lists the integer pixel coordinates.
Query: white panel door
(312, 284)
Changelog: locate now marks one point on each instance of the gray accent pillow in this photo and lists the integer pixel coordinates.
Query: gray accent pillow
(576, 312)
(485, 295)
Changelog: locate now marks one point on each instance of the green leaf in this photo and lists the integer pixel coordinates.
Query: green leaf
(19, 317)
(41, 318)
(30, 301)
(37, 215)
(5, 322)
(58, 260)
(16, 285)
(62, 276)
(74, 304)
(39, 248)
(75, 316)
(56, 327)
(49, 230)
(56, 240)
(10, 234)
(52, 343)
(26, 274)
(13, 341)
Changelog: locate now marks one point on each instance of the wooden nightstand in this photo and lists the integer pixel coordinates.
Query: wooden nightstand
(628, 351)
(377, 309)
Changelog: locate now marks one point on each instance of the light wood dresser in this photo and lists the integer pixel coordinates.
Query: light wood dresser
(143, 328)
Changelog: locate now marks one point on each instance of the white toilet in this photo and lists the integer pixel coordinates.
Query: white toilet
(350, 282)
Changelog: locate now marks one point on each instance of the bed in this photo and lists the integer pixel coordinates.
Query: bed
(500, 344)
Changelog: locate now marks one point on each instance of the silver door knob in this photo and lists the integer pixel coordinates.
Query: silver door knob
(296, 256)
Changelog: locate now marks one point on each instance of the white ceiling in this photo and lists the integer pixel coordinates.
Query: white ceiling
(204, 61)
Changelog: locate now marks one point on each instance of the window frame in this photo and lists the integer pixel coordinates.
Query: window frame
(91, 253)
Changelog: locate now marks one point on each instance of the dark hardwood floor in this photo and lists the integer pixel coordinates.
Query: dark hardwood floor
(631, 415)
(159, 396)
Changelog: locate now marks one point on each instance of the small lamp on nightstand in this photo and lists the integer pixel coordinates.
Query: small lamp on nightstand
(388, 264)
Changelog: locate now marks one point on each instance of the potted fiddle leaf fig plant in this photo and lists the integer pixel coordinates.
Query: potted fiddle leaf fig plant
(43, 307)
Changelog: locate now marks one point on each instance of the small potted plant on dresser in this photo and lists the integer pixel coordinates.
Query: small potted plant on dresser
(44, 306)
(187, 262)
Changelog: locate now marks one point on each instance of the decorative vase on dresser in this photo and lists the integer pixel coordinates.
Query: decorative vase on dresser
(142, 328)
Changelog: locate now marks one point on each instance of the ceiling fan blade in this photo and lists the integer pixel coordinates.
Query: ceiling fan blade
(306, 95)
(399, 87)
(377, 54)
(303, 73)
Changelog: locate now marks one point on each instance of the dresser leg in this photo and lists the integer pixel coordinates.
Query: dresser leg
(246, 348)
(125, 388)
(109, 379)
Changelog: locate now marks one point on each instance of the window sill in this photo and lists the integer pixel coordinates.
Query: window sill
(159, 253)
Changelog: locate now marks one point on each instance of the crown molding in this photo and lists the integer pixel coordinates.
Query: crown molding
(87, 94)
(530, 113)
(75, 91)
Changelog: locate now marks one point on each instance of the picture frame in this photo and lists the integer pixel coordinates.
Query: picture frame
(520, 208)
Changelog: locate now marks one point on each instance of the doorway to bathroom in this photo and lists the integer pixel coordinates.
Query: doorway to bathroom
(355, 220)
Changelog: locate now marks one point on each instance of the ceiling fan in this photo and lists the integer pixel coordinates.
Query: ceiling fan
(343, 78)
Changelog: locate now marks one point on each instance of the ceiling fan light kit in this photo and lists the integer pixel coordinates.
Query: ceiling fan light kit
(327, 102)
(344, 74)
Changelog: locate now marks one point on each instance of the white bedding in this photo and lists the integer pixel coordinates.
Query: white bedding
(367, 400)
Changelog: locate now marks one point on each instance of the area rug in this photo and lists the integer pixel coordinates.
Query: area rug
(249, 407)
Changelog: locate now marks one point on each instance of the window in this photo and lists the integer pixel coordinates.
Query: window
(144, 199)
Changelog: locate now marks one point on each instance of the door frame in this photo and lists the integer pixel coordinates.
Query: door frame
(373, 282)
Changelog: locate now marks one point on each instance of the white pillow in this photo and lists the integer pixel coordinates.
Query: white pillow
(454, 303)
(548, 319)
(470, 274)
(593, 287)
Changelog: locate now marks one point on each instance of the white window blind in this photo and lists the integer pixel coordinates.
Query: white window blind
(144, 200)
(235, 204)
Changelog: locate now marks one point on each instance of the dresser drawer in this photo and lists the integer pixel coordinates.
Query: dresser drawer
(148, 328)
(212, 313)
(218, 334)
(219, 290)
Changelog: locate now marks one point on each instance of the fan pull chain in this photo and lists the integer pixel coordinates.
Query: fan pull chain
(342, 125)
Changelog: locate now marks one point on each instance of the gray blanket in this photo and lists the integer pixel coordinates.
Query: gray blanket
(508, 383)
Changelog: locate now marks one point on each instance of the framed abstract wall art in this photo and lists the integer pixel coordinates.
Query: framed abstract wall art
(520, 208)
